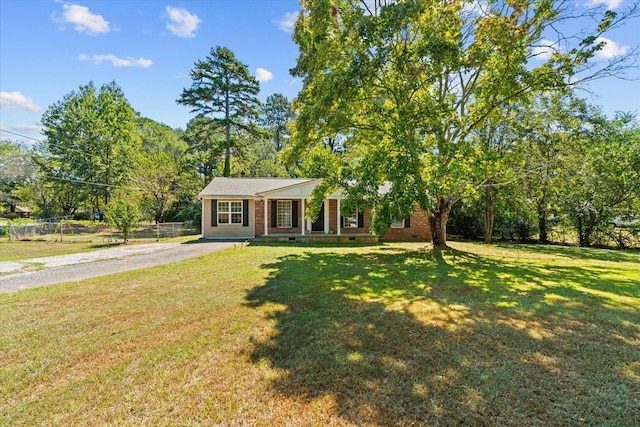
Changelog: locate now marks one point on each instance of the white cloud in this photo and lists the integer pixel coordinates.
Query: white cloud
(82, 19)
(263, 75)
(117, 62)
(610, 49)
(19, 101)
(544, 49)
(611, 4)
(287, 21)
(182, 23)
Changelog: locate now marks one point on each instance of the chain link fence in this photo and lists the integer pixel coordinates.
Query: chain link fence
(90, 230)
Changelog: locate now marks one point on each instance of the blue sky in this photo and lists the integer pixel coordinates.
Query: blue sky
(50, 48)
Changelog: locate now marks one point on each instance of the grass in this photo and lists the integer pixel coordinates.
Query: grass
(25, 249)
(344, 335)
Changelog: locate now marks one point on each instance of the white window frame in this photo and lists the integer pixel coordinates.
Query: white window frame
(284, 217)
(397, 223)
(350, 221)
(230, 212)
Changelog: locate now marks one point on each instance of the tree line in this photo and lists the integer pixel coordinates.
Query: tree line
(98, 149)
(466, 108)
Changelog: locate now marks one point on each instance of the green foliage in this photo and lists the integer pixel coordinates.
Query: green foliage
(275, 116)
(123, 214)
(407, 83)
(91, 139)
(603, 182)
(165, 174)
(224, 91)
(16, 169)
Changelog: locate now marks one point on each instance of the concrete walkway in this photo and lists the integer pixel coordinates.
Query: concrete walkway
(73, 267)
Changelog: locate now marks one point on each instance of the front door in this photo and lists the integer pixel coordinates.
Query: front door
(318, 224)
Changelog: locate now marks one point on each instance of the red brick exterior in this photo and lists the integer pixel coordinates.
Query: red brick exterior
(333, 215)
(259, 217)
(419, 228)
(276, 230)
(419, 224)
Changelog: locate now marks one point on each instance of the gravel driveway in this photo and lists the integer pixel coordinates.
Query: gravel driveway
(69, 268)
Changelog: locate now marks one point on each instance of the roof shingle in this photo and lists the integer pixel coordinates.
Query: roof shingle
(247, 187)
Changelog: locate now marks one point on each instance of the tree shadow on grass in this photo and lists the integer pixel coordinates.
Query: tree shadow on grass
(622, 255)
(399, 337)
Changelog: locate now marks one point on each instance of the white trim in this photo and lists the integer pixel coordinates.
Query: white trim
(354, 216)
(302, 219)
(282, 213)
(338, 217)
(289, 191)
(397, 223)
(326, 216)
(229, 212)
(265, 210)
(202, 217)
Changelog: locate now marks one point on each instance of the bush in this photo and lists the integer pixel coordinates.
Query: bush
(123, 215)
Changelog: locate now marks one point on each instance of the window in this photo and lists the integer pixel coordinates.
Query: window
(230, 212)
(397, 223)
(283, 214)
(350, 221)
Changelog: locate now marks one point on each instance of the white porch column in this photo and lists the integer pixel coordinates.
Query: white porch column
(303, 221)
(203, 216)
(326, 216)
(338, 217)
(266, 210)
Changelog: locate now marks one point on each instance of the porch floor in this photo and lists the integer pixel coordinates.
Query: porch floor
(319, 237)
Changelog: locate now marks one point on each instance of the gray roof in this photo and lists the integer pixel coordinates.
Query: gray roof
(247, 187)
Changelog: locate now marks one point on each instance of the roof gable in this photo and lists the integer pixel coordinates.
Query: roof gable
(249, 187)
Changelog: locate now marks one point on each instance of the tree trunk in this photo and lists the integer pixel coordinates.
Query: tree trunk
(438, 220)
(227, 133)
(489, 213)
(227, 163)
(542, 221)
(277, 140)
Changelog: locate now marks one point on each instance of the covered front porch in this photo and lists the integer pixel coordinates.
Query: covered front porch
(319, 238)
(282, 216)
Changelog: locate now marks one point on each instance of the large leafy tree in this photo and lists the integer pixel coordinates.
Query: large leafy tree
(224, 91)
(91, 139)
(602, 183)
(408, 82)
(16, 169)
(550, 130)
(206, 147)
(165, 175)
(275, 116)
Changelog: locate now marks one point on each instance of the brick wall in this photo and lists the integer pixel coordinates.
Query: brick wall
(419, 225)
(259, 215)
(276, 230)
(419, 229)
(333, 224)
(333, 214)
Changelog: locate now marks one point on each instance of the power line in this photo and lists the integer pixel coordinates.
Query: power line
(52, 143)
(99, 184)
(18, 134)
(79, 181)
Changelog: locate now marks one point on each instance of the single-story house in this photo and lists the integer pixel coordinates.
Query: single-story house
(246, 208)
(19, 211)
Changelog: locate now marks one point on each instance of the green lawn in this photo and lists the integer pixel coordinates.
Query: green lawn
(346, 335)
